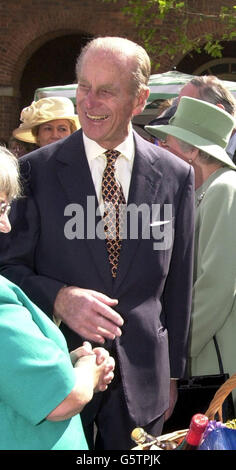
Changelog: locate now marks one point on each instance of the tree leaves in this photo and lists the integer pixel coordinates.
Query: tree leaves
(165, 26)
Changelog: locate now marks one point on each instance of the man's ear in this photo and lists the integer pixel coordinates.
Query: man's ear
(141, 101)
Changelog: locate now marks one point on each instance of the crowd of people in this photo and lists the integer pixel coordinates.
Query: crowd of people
(138, 309)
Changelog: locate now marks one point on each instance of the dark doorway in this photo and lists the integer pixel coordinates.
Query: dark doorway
(193, 61)
(52, 64)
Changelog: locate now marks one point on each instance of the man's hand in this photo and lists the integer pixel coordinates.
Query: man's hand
(89, 313)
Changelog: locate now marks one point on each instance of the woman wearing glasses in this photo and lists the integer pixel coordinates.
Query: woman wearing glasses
(42, 387)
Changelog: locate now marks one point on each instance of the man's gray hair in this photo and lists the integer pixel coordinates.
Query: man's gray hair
(213, 90)
(9, 174)
(121, 48)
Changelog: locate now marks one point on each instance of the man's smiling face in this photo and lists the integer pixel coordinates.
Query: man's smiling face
(105, 102)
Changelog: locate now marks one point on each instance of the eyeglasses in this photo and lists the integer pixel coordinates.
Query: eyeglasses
(4, 208)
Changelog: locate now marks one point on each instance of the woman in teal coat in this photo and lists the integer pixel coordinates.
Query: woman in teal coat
(198, 133)
(43, 388)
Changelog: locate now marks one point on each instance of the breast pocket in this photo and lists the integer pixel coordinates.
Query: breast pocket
(163, 233)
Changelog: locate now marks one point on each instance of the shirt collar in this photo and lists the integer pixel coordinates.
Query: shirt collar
(94, 150)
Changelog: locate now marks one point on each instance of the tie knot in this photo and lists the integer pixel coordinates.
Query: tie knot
(112, 156)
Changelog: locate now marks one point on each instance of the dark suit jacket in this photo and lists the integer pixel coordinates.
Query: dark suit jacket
(153, 286)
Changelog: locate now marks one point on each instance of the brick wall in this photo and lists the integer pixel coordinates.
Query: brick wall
(26, 25)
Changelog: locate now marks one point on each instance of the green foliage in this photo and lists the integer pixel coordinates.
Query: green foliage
(151, 18)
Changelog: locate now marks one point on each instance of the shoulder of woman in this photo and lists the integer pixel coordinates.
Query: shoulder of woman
(222, 185)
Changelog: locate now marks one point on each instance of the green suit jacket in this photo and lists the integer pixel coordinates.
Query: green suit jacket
(214, 288)
(36, 374)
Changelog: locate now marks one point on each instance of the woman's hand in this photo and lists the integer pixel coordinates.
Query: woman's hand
(106, 364)
(93, 371)
(103, 366)
(85, 350)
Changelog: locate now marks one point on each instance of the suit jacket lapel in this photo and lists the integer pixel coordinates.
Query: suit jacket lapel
(75, 178)
(145, 182)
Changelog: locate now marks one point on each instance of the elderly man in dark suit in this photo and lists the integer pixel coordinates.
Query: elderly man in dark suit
(103, 243)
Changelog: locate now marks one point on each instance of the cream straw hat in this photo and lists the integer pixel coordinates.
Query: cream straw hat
(44, 110)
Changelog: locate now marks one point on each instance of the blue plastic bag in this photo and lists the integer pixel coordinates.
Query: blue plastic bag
(222, 438)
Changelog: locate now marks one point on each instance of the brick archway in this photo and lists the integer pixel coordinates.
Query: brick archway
(27, 27)
(47, 60)
(51, 64)
(195, 63)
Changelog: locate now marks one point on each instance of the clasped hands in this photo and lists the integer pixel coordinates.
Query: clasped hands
(90, 314)
(97, 359)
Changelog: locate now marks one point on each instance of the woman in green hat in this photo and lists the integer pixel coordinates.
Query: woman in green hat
(199, 133)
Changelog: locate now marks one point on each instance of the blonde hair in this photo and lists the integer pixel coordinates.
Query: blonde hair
(121, 49)
(9, 174)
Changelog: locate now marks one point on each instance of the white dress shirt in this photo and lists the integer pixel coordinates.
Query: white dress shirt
(123, 167)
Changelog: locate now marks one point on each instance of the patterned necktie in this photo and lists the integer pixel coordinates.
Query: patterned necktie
(113, 217)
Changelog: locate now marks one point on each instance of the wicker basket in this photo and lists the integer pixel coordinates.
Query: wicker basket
(219, 398)
(214, 408)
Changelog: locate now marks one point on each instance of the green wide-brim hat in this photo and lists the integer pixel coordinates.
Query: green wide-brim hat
(201, 124)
